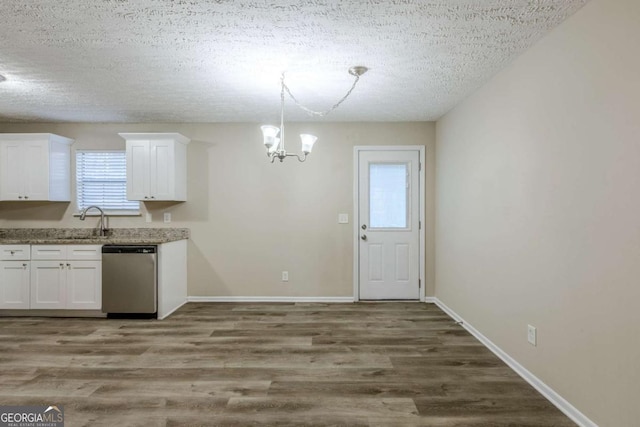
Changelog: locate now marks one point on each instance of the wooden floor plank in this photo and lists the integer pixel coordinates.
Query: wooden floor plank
(265, 364)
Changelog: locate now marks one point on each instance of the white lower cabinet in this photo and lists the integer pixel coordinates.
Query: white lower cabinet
(14, 284)
(69, 284)
(48, 284)
(84, 285)
(66, 277)
(14, 276)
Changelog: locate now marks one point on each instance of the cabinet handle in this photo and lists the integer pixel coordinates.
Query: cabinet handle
(25, 266)
(69, 266)
(19, 197)
(13, 252)
(146, 197)
(61, 265)
(26, 197)
(153, 197)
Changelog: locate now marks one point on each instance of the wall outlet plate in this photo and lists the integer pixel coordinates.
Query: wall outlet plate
(285, 276)
(532, 335)
(343, 218)
(148, 217)
(167, 217)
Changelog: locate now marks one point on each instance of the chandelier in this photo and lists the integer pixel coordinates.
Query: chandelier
(273, 137)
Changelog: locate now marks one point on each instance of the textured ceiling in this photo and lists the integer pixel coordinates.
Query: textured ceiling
(220, 61)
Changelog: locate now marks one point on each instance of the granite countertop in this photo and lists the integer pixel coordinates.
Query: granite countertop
(89, 236)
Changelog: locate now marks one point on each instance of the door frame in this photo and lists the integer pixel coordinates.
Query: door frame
(356, 212)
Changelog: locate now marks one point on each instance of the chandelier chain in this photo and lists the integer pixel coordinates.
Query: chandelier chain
(313, 112)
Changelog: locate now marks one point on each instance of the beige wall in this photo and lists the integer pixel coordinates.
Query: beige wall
(250, 219)
(538, 210)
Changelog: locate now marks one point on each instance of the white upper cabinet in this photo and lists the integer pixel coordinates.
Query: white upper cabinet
(156, 166)
(35, 166)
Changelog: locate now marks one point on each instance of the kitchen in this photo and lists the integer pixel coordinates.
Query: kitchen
(99, 271)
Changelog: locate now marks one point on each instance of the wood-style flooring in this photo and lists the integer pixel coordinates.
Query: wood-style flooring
(223, 364)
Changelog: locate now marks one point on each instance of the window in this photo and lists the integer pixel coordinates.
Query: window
(101, 180)
(388, 195)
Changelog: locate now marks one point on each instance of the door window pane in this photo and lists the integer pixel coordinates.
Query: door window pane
(388, 195)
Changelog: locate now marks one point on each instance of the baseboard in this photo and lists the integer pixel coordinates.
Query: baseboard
(562, 404)
(52, 313)
(430, 300)
(271, 299)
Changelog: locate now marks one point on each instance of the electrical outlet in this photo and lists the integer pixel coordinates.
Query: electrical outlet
(167, 217)
(532, 335)
(285, 276)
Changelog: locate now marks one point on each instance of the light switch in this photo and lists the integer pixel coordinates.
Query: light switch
(343, 218)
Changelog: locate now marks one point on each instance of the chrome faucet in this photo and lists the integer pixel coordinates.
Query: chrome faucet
(103, 227)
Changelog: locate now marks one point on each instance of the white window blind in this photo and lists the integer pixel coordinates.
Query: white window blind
(101, 180)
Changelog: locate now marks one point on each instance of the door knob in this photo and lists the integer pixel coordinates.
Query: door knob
(363, 237)
(364, 226)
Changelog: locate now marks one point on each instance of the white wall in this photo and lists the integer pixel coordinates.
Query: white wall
(250, 219)
(538, 210)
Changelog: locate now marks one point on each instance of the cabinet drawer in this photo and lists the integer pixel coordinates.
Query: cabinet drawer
(84, 252)
(14, 252)
(48, 252)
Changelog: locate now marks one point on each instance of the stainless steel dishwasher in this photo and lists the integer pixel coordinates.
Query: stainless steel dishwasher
(129, 280)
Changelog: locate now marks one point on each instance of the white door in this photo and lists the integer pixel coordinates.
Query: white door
(14, 284)
(11, 170)
(138, 170)
(36, 170)
(161, 170)
(389, 218)
(84, 285)
(48, 284)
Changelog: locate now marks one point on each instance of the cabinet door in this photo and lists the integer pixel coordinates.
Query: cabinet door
(36, 170)
(84, 285)
(14, 284)
(162, 170)
(48, 284)
(138, 170)
(11, 170)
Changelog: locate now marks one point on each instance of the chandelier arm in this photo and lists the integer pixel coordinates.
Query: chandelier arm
(310, 111)
(282, 154)
(300, 159)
